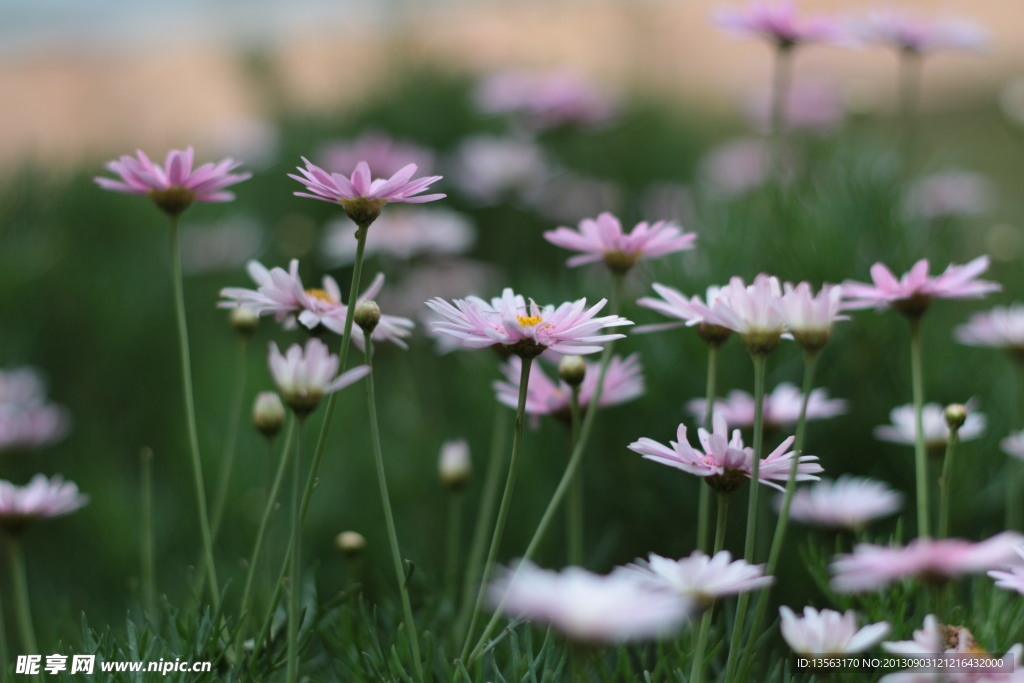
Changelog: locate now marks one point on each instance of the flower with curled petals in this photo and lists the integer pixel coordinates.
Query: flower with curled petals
(41, 498)
(175, 185)
(828, 632)
(846, 503)
(702, 578)
(913, 293)
(603, 239)
(360, 195)
(306, 375)
(525, 329)
(777, 22)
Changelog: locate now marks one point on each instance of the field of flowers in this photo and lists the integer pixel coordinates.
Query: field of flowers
(520, 378)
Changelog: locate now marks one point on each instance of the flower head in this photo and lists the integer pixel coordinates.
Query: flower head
(781, 407)
(907, 33)
(846, 503)
(603, 239)
(951, 193)
(268, 413)
(175, 185)
(304, 376)
(691, 312)
(590, 608)
(383, 154)
(490, 168)
(936, 431)
(809, 317)
(1002, 328)
(527, 329)
(828, 632)
(724, 462)
(39, 499)
(871, 567)
(778, 22)
(360, 195)
(914, 292)
(27, 419)
(700, 577)
(753, 311)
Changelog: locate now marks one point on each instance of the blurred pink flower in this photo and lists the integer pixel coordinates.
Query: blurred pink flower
(544, 99)
(691, 312)
(777, 22)
(175, 185)
(403, 233)
(872, 567)
(846, 503)
(589, 608)
(738, 166)
(306, 375)
(809, 317)
(527, 329)
(1012, 579)
(1002, 327)
(912, 293)
(699, 577)
(603, 239)
(623, 382)
(725, 463)
(41, 498)
(950, 193)
(812, 106)
(828, 632)
(781, 407)
(384, 155)
(27, 419)
(936, 430)
(903, 31)
(490, 168)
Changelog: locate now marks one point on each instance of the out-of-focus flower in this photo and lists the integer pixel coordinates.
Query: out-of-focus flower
(948, 194)
(489, 168)
(699, 577)
(306, 375)
(41, 498)
(936, 431)
(738, 166)
(454, 466)
(914, 292)
(1002, 327)
(403, 233)
(752, 311)
(27, 419)
(590, 608)
(781, 407)
(567, 195)
(175, 185)
(222, 246)
(257, 140)
(692, 311)
(778, 23)
(623, 382)
(809, 317)
(603, 239)
(445, 279)
(871, 567)
(937, 639)
(526, 329)
(544, 99)
(846, 503)
(1012, 579)
(384, 155)
(725, 463)
(1014, 445)
(811, 106)
(828, 632)
(907, 33)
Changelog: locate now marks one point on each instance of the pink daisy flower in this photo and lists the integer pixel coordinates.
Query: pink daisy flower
(725, 463)
(306, 375)
(753, 311)
(699, 577)
(846, 503)
(175, 185)
(912, 293)
(384, 155)
(590, 608)
(828, 632)
(948, 194)
(781, 407)
(41, 498)
(809, 317)
(907, 33)
(778, 22)
(360, 195)
(1001, 328)
(623, 382)
(526, 329)
(603, 239)
(871, 567)
(1012, 579)
(690, 312)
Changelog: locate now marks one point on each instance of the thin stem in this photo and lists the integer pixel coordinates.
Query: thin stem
(909, 98)
(230, 449)
(760, 367)
(1014, 504)
(506, 498)
(396, 554)
(146, 546)
(451, 570)
(704, 497)
(295, 564)
(575, 513)
(4, 659)
(190, 413)
(920, 453)
(697, 669)
(782, 72)
(483, 519)
(946, 481)
(22, 608)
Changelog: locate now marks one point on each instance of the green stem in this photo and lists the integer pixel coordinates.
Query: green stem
(295, 564)
(483, 519)
(506, 498)
(146, 547)
(704, 497)
(396, 554)
(1014, 504)
(781, 76)
(920, 453)
(230, 449)
(4, 658)
(575, 512)
(22, 609)
(190, 413)
(909, 98)
(946, 481)
(697, 669)
(451, 570)
(760, 367)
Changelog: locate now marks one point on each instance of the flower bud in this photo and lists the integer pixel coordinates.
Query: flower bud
(244, 320)
(572, 370)
(956, 415)
(351, 543)
(367, 316)
(268, 413)
(454, 466)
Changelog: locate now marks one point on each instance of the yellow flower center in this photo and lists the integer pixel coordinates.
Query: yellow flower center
(528, 321)
(322, 295)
